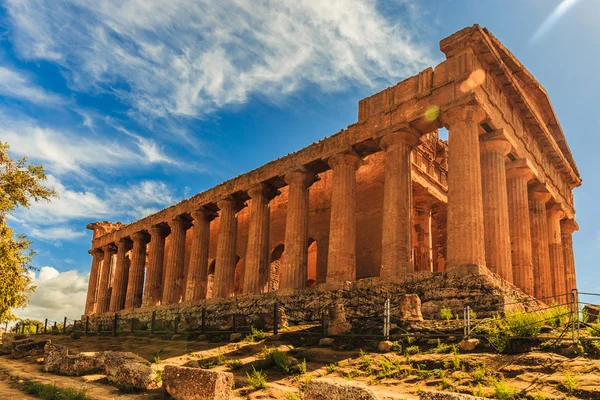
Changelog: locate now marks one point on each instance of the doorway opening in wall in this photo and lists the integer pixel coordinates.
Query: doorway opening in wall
(237, 283)
(275, 269)
(210, 279)
(311, 279)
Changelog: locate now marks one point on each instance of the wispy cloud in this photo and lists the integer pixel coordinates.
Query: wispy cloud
(189, 57)
(16, 85)
(561, 9)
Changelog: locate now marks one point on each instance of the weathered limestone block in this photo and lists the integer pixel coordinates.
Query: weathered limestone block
(337, 320)
(183, 383)
(58, 360)
(134, 375)
(329, 389)
(385, 346)
(7, 341)
(111, 360)
(432, 395)
(11, 345)
(410, 307)
(468, 344)
(28, 347)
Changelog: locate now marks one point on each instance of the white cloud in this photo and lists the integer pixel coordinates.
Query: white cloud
(56, 233)
(63, 151)
(14, 84)
(58, 295)
(188, 57)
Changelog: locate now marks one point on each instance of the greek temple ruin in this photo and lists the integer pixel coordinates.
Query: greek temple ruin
(384, 198)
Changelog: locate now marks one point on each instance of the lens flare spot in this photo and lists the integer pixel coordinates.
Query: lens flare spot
(476, 78)
(432, 113)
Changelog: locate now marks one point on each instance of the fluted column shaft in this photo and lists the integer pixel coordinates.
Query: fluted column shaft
(119, 292)
(257, 252)
(154, 272)
(341, 259)
(135, 284)
(542, 275)
(225, 260)
(397, 254)
(91, 300)
(555, 248)
(494, 149)
(465, 204)
(294, 271)
(103, 295)
(567, 227)
(173, 279)
(520, 228)
(197, 275)
(423, 258)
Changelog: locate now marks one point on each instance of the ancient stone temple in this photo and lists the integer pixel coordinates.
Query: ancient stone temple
(385, 198)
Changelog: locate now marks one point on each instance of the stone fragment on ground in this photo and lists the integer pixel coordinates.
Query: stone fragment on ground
(385, 346)
(28, 347)
(126, 369)
(434, 395)
(410, 308)
(329, 389)
(59, 361)
(468, 344)
(183, 383)
(326, 342)
(7, 342)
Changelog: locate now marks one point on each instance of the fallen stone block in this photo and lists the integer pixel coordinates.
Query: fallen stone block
(326, 342)
(134, 376)
(329, 389)
(385, 346)
(183, 383)
(235, 337)
(434, 395)
(468, 344)
(109, 361)
(410, 307)
(59, 361)
(7, 341)
(29, 348)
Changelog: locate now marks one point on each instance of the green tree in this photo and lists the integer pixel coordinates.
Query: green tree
(20, 184)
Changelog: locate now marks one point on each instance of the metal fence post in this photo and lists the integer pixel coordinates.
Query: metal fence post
(37, 328)
(153, 323)
(131, 327)
(46, 326)
(324, 324)
(576, 295)
(386, 319)
(573, 315)
(55, 328)
(115, 321)
(176, 324)
(65, 326)
(23, 328)
(203, 320)
(276, 318)
(234, 322)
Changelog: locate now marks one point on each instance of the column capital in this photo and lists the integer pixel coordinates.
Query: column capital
(539, 193)
(519, 168)
(123, 243)
(203, 214)
(463, 113)
(156, 230)
(263, 189)
(407, 136)
(177, 222)
(568, 226)
(96, 252)
(555, 212)
(494, 142)
(299, 175)
(109, 248)
(350, 159)
(140, 237)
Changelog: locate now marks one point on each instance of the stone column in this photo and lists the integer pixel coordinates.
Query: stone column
(119, 292)
(135, 285)
(294, 271)
(103, 295)
(91, 300)
(465, 204)
(517, 175)
(197, 276)
(257, 252)
(173, 279)
(555, 248)
(154, 271)
(542, 275)
(397, 255)
(424, 243)
(225, 260)
(341, 260)
(567, 227)
(494, 148)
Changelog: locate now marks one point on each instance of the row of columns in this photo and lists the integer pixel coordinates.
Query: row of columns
(493, 219)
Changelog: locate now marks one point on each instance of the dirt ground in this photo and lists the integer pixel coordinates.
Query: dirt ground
(400, 374)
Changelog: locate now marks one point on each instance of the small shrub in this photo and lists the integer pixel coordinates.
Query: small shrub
(397, 346)
(255, 335)
(257, 379)
(472, 314)
(332, 367)
(387, 368)
(412, 350)
(76, 334)
(292, 396)
(235, 364)
(514, 324)
(570, 382)
(365, 361)
(480, 374)
(478, 391)
(158, 377)
(156, 359)
(456, 360)
(446, 313)
(305, 382)
(539, 396)
(503, 391)
(445, 382)
(282, 360)
(443, 348)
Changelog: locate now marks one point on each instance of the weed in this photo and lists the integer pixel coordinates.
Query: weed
(51, 392)
(478, 391)
(292, 396)
(76, 334)
(158, 377)
(220, 360)
(234, 364)
(156, 359)
(352, 374)
(443, 348)
(446, 313)
(445, 382)
(480, 374)
(332, 367)
(257, 379)
(282, 360)
(365, 361)
(539, 396)
(255, 335)
(412, 350)
(503, 391)
(397, 346)
(512, 325)
(570, 382)
(386, 368)
(456, 361)
(557, 315)
(472, 314)
(304, 384)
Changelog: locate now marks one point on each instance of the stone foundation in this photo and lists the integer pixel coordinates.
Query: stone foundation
(483, 291)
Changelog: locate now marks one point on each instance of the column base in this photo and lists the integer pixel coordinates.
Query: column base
(468, 269)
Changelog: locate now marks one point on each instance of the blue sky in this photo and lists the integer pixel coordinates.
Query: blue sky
(134, 105)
